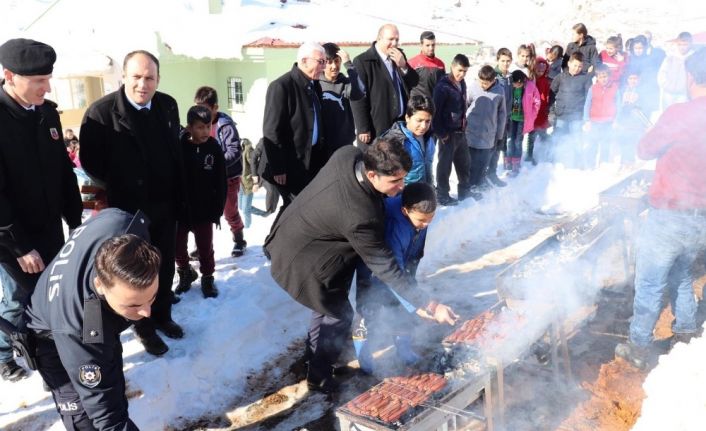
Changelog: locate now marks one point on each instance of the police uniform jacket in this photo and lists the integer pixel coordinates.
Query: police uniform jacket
(316, 242)
(37, 183)
(136, 157)
(86, 332)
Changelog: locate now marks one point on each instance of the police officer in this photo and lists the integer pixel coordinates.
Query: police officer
(37, 183)
(103, 280)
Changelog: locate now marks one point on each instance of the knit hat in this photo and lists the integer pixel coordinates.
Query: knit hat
(27, 57)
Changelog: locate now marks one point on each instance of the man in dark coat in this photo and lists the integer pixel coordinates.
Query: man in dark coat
(37, 183)
(338, 90)
(130, 145)
(387, 80)
(292, 126)
(586, 45)
(317, 241)
(103, 280)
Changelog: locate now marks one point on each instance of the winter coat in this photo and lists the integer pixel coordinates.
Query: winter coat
(422, 155)
(229, 140)
(587, 48)
(430, 71)
(570, 95)
(544, 87)
(316, 243)
(136, 158)
(336, 110)
(405, 241)
(530, 105)
(449, 107)
(601, 103)
(379, 108)
(677, 142)
(615, 64)
(249, 167)
(555, 68)
(486, 115)
(37, 183)
(288, 128)
(206, 186)
(647, 67)
(672, 74)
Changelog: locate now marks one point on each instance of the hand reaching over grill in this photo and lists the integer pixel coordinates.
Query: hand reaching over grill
(439, 313)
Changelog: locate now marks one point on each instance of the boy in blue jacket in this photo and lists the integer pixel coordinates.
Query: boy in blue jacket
(407, 217)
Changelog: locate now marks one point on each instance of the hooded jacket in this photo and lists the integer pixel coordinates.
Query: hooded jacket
(422, 154)
(229, 140)
(544, 87)
(587, 48)
(486, 115)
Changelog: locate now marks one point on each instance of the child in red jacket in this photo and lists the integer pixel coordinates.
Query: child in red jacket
(613, 57)
(599, 114)
(541, 123)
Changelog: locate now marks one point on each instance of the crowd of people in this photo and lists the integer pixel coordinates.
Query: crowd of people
(351, 156)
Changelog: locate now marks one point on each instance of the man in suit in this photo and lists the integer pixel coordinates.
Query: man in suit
(130, 146)
(387, 80)
(292, 127)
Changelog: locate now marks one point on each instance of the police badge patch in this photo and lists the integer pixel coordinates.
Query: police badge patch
(54, 133)
(89, 375)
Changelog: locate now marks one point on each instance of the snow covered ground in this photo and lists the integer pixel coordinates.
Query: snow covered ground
(253, 320)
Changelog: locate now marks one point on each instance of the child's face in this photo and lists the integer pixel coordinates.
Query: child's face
(602, 78)
(200, 132)
(633, 80)
(574, 67)
(638, 49)
(523, 57)
(611, 49)
(419, 123)
(541, 69)
(551, 56)
(418, 219)
(504, 63)
(683, 46)
(485, 85)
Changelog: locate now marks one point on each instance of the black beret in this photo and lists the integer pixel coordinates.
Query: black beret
(27, 57)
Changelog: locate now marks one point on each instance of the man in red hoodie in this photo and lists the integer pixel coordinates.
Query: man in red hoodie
(429, 68)
(675, 229)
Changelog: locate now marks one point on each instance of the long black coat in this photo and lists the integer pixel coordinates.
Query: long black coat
(316, 241)
(378, 109)
(114, 154)
(288, 127)
(37, 183)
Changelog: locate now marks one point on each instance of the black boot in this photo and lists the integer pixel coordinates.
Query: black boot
(12, 372)
(186, 277)
(497, 182)
(208, 288)
(152, 342)
(240, 244)
(637, 356)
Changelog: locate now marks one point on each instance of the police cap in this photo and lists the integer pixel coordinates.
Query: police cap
(27, 57)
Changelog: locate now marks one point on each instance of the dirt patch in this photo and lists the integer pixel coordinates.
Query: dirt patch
(615, 403)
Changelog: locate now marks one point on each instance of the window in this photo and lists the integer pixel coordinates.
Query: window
(235, 93)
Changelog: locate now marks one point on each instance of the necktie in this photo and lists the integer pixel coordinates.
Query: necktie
(398, 88)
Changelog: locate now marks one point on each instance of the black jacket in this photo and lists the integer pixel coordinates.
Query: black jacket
(569, 95)
(288, 128)
(206, 186)
(66, 309)
(378, 110)
(37, 183)
(450, 107)
(139, 164)
(317, 240)
(587, 48)
(337, 114)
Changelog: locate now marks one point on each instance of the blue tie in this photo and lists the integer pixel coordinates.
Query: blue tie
(398, 88)
(315, 102)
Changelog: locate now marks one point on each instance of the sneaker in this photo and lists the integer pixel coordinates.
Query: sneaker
(186, 276)
(637, 356)
(170, 328)
(446, 200)
(497, 182)
(194, 256)
(12, 372)
(153, 344)
(208, 288)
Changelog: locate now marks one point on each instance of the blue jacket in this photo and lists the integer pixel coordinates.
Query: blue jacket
(406, 242)
(422, 156)
(229, 140)
(450, 106)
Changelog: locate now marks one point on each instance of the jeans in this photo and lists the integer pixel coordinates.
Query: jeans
(667, 247)
(480, 158)
(514, 144)
(12, 306)
(245, 207)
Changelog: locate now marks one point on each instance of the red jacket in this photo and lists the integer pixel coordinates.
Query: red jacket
(422, 60)
(603, 102)
(678, 142)
(615, 64)
(544, 87)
